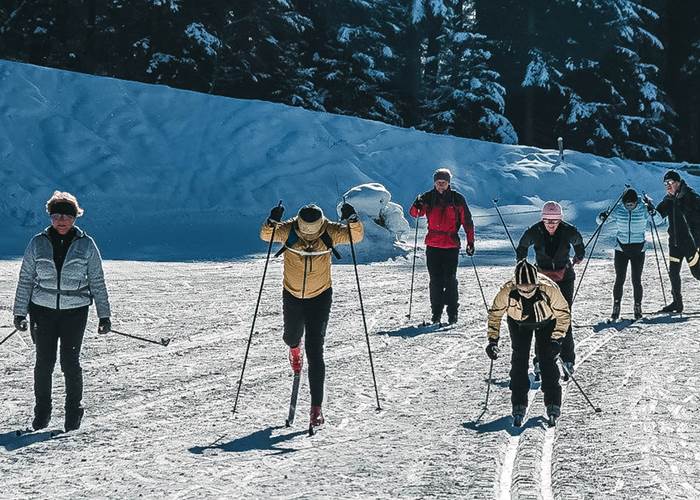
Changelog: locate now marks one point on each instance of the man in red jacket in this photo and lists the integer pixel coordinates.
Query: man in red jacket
(446, 211)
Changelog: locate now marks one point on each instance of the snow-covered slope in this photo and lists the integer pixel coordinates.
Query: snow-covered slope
(169, 174)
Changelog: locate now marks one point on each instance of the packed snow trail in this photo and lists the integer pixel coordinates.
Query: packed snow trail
(154, 414)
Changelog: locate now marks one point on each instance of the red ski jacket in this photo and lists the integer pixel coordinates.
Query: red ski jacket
(446, 213)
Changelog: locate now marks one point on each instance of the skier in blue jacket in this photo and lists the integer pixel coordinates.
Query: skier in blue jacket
(630, 221)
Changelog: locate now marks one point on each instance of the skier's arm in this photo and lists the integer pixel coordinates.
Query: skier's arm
(523, 245)
(96, 280)
(576, 241)
(664, 206)
(281, 233)
(560, 310)
(339, 232)
(26, 281)
(468, 223)
(419, 207)
(497, 310)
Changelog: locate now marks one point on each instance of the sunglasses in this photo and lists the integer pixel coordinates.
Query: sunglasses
(669, 182)
(58, 217)
(551, 222)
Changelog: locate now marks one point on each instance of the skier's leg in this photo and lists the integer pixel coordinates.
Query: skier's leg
(621, 259)
(451, 262)
(568, 353)
(316, 312)
(433, 257)
(637, 262)
(675, 261)
(46, 340)
(519, 381)
(550, 371)
(71, 330)
(293, 314)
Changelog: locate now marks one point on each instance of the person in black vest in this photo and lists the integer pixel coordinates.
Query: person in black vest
(681, 206)
(553, 238)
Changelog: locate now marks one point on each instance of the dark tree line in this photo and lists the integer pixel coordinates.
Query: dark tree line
(613, 77)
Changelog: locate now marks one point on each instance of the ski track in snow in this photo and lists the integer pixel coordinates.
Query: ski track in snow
(158, 420)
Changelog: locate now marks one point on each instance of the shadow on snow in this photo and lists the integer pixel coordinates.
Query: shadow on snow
(11, 441)
(504, 423)
(258, 440)
(415, 330)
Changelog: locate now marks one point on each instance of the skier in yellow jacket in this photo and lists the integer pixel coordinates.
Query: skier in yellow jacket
(309, 240)
(533, 304)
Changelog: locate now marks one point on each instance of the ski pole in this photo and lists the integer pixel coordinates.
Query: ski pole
(10, 335)
(596, 235)
(364, 319)
(255, 314)
(597, 409)
(658, 266)
(495, 204)
(163, 340)
(600, 226)
(413, 271)
(488, 381)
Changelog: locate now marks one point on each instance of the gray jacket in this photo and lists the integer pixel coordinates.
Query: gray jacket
(82, 278)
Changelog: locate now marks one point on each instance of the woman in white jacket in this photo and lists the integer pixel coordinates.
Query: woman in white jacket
(60, 276)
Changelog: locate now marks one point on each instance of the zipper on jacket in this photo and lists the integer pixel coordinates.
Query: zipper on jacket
(675, 227)
(629, 228)
(303, 284)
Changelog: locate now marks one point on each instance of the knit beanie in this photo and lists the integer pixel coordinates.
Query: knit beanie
(630, 196)
(672, 175)
(442, 174)
(525, 273)
(310, 219)
(552, 210)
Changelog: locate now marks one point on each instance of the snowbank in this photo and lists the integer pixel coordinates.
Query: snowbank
(171, 174)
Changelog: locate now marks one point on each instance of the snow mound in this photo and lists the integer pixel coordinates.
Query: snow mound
(383, 220)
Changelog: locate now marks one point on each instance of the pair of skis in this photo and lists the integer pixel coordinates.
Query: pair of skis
(296, 382)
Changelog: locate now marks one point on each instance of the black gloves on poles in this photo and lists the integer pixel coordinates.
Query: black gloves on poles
(347, 211)
(21, 323)
(603, 215)
(276, 214)
(492, 349)
(470, 249)
(105, 326)
(418, 203)
(649, 204)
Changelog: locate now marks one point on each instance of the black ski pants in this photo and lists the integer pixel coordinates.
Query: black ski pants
(48, 327)
(521, 339)
(636, 259)
(310, 315)
(568, 349)
(442, 268)
(676, 255)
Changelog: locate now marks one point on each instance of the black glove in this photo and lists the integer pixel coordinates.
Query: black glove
(603, 215)
(556, 348)
(105, 326)
(276, 213)
(648, 202)
(492, 349)
(470, 249)
(347, 211)
(21, 323)
(419, 202)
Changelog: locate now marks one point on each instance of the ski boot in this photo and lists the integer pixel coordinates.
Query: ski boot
(316, 419)
(637, 310)
(41, 419)
(436, 318)
(675, 306)
(536, 371)
(553, 413)
(73, 418)
(616, 310)
(452, 318)
(518, 415)
(296, 358)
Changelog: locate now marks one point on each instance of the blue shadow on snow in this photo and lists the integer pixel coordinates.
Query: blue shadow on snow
(504, 423)
(11, 441)
(258, 440)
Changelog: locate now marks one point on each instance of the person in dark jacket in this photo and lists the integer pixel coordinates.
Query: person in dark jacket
(681, 206)
(552, 239)
(60, 276)
(629, 219)
(446, 211)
